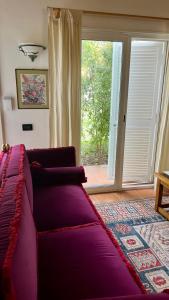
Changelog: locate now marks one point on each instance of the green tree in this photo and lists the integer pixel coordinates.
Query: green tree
(96, 99)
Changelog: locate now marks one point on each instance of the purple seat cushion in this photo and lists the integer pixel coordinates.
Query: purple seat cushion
(60, 206)
(81, 263)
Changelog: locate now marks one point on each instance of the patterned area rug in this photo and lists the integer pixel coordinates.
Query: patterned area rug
(143, 236)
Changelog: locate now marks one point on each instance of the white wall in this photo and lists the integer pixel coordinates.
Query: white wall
(26, 20)
(22, 21)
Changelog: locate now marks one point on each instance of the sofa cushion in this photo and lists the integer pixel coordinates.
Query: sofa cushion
(81, 263)
(16, 162)
(60, 206)
(24, 265)
(15, 155)
(28, 180)
(53, 157)
(18, 257)
(57, 175)
(3, 165)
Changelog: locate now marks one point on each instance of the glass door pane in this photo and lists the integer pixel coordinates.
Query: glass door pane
(144, 97)
(100, 98)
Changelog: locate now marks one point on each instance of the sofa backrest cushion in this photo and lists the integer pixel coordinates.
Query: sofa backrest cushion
(24, 264)
(11, 166)
(53, 157)
(3, 162)
(28, 180)
(18, 255)
(14, 157)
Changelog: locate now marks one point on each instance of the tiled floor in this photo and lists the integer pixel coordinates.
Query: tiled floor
(98, 175)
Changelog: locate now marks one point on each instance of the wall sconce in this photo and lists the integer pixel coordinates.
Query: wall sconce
(30, 49)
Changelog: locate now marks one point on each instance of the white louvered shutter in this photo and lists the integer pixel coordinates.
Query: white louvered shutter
(145, 86)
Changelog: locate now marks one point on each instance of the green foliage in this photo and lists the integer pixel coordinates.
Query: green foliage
(96, 99)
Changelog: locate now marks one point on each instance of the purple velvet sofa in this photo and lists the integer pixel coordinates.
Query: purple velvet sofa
(53, 243)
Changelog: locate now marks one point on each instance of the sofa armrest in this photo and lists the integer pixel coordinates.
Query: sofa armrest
(160, 296)
(59, 175)
(53, 157)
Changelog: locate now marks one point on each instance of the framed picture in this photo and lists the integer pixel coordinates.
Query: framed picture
(32, 88)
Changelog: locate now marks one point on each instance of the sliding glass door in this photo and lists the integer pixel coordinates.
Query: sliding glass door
(120, 103)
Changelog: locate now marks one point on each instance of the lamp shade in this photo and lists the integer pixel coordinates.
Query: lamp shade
(31, 49)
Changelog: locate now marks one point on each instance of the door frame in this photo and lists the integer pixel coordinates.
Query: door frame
(126, 38)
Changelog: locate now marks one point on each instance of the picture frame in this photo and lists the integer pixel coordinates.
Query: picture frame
(32, 88)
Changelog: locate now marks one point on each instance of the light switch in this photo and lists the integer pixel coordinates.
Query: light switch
(27, 127)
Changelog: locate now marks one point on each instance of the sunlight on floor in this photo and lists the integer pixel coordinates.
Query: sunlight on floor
(124, 195)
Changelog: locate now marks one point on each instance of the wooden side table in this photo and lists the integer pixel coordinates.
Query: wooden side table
(162, 181)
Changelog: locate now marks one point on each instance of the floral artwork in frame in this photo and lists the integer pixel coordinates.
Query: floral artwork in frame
(32, 88)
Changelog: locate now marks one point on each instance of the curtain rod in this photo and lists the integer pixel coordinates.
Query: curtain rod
(119, 14)
(123, 15)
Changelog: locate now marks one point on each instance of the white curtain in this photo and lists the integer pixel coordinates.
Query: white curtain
(64, 77)
(162, 157)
